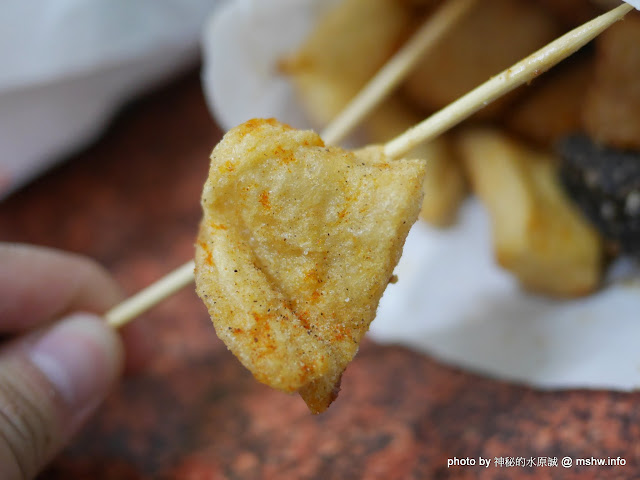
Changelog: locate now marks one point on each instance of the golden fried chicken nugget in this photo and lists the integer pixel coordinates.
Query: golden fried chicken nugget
(612, 107)
(343, 52)
(491, 37)
(297, 243)
(538, 234)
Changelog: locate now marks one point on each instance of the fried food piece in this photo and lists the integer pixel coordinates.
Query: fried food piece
(445, 186)
(344, 51)
(296, 246)
(538, 234)
(491, 37)
(612, 107)
(553, 107)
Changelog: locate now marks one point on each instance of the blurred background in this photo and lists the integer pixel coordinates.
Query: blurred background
(70, 65)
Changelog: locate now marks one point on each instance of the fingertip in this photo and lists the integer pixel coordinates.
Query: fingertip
(82, 357)
(61, 281)
(49, 385)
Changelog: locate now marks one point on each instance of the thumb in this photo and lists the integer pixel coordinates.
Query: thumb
(48, 388)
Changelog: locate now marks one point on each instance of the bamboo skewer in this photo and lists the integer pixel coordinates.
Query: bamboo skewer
(153, 294)
(520, 73)
(396, 69)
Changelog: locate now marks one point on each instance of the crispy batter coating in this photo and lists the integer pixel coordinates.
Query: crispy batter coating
(296, 246)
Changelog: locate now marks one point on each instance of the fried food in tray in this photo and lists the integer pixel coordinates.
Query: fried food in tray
(296, 246)
(344, 51)
(538, 233)
(445, 186)
(552, 108)
(491, 37)
(299, 240)
(612, 107)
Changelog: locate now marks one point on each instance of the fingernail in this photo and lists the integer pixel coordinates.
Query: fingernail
(81, 357)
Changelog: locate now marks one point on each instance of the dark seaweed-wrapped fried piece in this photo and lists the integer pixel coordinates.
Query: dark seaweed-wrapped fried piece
(605, 183)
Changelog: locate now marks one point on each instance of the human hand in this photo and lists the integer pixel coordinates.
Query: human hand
(58, 364)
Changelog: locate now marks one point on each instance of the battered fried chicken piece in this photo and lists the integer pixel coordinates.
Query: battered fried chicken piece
(296, 246)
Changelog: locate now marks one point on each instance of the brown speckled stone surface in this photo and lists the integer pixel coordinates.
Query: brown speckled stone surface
(131, 201)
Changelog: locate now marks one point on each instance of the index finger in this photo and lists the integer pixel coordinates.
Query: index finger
(39, 284)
